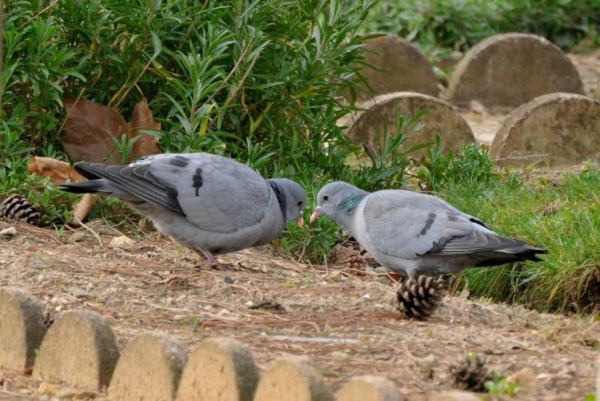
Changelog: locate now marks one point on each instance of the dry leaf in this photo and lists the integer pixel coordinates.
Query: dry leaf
(83, 207)
(58, 171)
(90, 128)
(142, 118)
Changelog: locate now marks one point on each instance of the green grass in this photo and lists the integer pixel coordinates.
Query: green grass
(563, 218)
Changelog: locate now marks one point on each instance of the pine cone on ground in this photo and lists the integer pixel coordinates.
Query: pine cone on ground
(470, 374)
(368, 259)
(346, 257)
(419, 298)
(17, 207)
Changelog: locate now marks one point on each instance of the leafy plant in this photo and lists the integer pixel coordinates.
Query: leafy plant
(124, 147)
(389, 160)
(501, 387)
(472, 165)
(443, 26)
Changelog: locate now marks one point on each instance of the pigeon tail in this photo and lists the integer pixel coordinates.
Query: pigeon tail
(520, 253)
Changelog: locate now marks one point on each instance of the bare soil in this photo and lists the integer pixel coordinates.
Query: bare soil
(345, 322)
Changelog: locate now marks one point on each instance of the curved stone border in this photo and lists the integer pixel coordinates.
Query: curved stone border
(507, 70)
(21, 329)
(396, 66)
(79, 350)
(292, 379)
(149, 369)
(220, 369)
(382, 114)
(556, 130)
(372, 388)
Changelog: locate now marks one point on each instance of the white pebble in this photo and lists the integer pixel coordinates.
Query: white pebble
(8, 232)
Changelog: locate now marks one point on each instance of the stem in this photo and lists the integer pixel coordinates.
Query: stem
(1, 54)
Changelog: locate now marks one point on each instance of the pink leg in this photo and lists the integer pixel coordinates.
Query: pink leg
(211, 260)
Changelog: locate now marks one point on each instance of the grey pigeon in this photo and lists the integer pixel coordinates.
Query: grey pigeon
(417, 234)
(210, 204)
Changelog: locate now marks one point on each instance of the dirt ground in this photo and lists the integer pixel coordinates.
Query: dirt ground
(345, 322)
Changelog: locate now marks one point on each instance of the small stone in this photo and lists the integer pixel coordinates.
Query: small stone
(368, 297)
(292, 379)
(336, 275)
(47, 389)
(228, 280)
(83, 334)
(149, 369)
(455, 395)
(8, 232)
(21, 329)
(79, 293)
(57, 301)
(220, 369)
(339, 354)
(80, 236)
(372, 388)
(121, 242)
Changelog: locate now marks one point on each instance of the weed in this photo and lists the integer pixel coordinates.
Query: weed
(499, 386)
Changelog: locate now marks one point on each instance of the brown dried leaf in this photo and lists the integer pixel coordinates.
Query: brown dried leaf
(58, 171)
(83, 207)
(90, 128)
(142, 118)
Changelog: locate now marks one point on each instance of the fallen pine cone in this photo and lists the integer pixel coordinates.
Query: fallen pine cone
(17, 207)
(346, 257)
(470, 374)
(418, 299)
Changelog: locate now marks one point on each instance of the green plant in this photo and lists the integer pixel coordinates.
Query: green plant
(124, 148)
(563, 218)
(500, 386)
(472, 165)
(389, 159)
(443, 26)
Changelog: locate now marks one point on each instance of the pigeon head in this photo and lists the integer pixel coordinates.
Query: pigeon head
(292, 198)
(338, 200)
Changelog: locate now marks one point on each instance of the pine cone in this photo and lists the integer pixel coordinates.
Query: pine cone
(419, 298)
(17, 207)
(368, 259)
(346, 257)
(470, 374)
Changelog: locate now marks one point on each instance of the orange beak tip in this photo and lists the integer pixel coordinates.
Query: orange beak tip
(315, 215)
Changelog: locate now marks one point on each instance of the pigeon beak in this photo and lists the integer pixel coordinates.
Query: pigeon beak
(315, 214)
(300, 221)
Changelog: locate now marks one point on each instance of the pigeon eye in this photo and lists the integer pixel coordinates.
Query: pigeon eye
(326, 198)
(299, 203)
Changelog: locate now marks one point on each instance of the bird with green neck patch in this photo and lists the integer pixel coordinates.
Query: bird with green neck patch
(413, 233)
